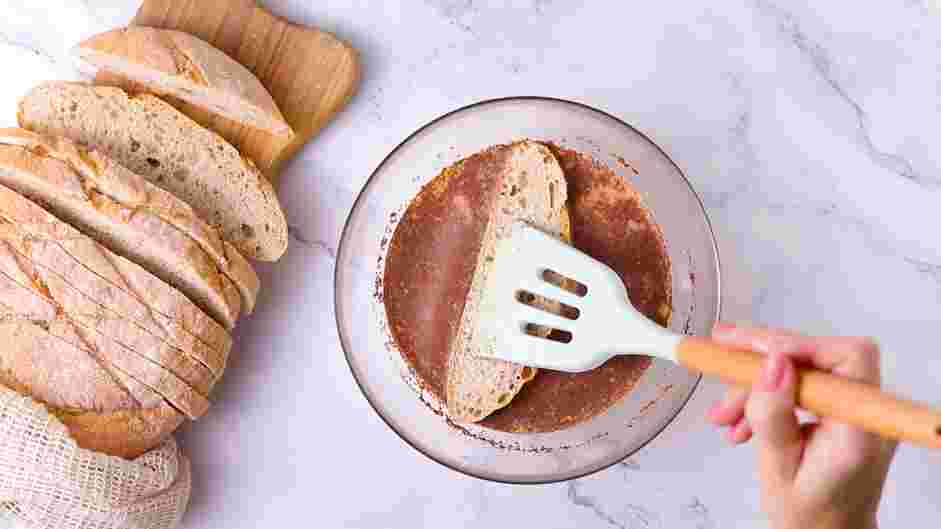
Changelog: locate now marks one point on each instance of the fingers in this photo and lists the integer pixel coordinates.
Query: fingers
(754, 338)
(770, 414)
(730, 412)
(731, 409)
(853, 357)
(740, 433)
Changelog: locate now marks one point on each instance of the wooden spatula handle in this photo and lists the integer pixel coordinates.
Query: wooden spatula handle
(848, 401)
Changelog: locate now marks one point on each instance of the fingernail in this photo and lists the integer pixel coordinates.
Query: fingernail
(715, 411)
(740, 432)
(773, 373)
(729, 435)
(723, 326)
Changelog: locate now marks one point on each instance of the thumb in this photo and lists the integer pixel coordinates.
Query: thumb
(770, 412)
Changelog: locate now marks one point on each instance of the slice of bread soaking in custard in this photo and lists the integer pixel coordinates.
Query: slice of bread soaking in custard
(530, 187)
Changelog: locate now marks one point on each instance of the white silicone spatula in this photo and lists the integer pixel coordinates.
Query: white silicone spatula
(601, 322)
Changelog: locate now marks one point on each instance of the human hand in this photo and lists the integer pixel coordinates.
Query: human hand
(824, 475)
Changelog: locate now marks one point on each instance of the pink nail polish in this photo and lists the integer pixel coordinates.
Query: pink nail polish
(723, 330)
(730, 435)
(773, 373)
(713, 411)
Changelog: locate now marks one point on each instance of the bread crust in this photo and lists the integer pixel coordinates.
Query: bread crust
(131, 217)
(51, 303)
(109, 412)
(45, 251)
(126, 433)
(151, 138)
(175, 63)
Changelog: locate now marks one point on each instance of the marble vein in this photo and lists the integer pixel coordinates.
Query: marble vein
(697, 511)
(740, 144)
(490, 28)
(296, 235)
(629, 464)
(461, 13)
(455, 12)
(588, 502)
(638, 517)
(823, 64)
(927, 269)
(880, 241)
(32, 48)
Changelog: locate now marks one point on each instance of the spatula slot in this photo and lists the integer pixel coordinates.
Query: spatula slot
(548, 333)
(565, 283)
(548, 305)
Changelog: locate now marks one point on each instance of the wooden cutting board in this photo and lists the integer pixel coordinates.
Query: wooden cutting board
(310, 73)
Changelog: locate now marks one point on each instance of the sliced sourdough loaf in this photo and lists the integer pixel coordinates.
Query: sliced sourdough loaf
(108, 411)
(126, 433)
(58, 256)
(131, 217)
(47, 297)
(530, 187)
(116, 357)
(87, 325)
(183, 66)
(154, 140)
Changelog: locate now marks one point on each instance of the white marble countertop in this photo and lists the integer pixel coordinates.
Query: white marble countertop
(809, 128)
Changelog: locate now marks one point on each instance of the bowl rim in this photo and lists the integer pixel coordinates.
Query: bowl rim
(344, 340)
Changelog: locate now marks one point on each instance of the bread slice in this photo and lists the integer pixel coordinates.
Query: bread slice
(169, 62)
(123, 433)
(113, 356)
(26, 292)
(70, 264)
(154, 140)
(33, 361)
(131, 217)
(107, 412)
(530, 186)
(91, 327)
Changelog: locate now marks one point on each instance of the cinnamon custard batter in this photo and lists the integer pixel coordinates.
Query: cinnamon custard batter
(430, 264)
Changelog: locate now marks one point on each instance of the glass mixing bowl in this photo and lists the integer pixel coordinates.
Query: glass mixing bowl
(384, 377)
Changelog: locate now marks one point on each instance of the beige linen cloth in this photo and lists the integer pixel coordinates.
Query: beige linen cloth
(48, 482)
